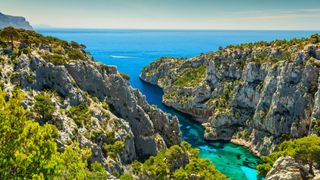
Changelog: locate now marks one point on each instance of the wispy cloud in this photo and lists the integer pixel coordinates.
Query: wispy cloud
(267, 15)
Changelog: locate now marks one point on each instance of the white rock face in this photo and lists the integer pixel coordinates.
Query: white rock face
(269, 91)
(14, 21)
(114, 107)
(286, 168)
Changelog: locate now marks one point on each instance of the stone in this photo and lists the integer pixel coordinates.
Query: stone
(14, 21)
(269, 91)
(286, 168)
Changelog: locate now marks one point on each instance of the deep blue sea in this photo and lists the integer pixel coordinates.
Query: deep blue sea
(131, 50)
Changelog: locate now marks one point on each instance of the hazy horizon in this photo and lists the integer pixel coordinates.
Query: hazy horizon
(168, 14)
(41, 27)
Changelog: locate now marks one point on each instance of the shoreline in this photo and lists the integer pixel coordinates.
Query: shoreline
(241, 142)
(247, 145)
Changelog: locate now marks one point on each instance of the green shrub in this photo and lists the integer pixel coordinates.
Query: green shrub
(125, 76)
(80, 114)
(192, 77)
(126, 177)
(159, 166)
(113, 149)
(26, 51)
(75, 45)
(98, 171)
(305, 150)
(43, 106)
(105, 105)
(29, 151)
(30, 78)
(56, 59)
(76, 54)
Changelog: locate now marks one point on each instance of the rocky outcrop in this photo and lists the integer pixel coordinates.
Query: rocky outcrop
(259, 93)
(286, 168)
(14, 21)
(94, 104)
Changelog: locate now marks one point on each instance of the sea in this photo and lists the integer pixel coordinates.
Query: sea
(130, 50)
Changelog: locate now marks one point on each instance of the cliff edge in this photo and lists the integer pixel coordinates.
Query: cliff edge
(14, 21)
(255, 94)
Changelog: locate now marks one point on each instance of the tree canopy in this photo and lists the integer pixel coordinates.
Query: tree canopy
(164, 165)
(305, 150)
(28, 150)
(10, 34)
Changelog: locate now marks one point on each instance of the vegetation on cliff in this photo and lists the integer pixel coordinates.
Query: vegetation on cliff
(28, 150)
(305, 150)
(56, 122)
(232, 80)
(22, 41)
(177, 162)
(255, 94)
(191, 77)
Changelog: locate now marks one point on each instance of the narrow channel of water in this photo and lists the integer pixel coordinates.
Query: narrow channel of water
(232, 160)
(131, 50)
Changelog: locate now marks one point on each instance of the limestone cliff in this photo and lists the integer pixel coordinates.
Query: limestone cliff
(93, 104)
(14, 21)
(255, 94)
(287, 168)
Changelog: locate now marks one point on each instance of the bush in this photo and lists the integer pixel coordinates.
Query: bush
(56, 59)
(29, 151)
(113, 149)
(75, 54)
(98, 171)
(192, 77)
(75, 45)
(44, 107)
(126, 177)
(79, 114)
(30, 78)
(305, 150)
(159, 166)
(26, 51)
(125, 76)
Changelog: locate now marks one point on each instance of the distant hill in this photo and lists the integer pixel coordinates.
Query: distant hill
(14, 21)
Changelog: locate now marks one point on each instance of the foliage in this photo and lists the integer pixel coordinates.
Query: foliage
(75, 54)
(43, 106)
(80, 114)
(26, 50)
(29, 151)
(126, 177)
(10, 34)
(75, 44)
(30, 78)
(305, 150)
(192, 77)
(161, 165)
(280, 43)
(125, 76)
(56, 59)
(28, 40)
(316, 126)
(73, 166)
(113, 149)
(26, 149)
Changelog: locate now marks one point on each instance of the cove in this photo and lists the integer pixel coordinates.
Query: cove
(131, 50)
(232, 160)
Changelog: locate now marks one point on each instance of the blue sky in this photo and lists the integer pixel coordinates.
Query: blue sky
(169, 14)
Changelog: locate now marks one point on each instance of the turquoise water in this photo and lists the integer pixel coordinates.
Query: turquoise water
(131, 50)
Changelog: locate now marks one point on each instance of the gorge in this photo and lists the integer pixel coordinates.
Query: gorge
(132, 50)
(67, 108)
(262, 93)
(159, 90)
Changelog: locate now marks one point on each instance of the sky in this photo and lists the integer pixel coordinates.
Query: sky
(169, 14)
